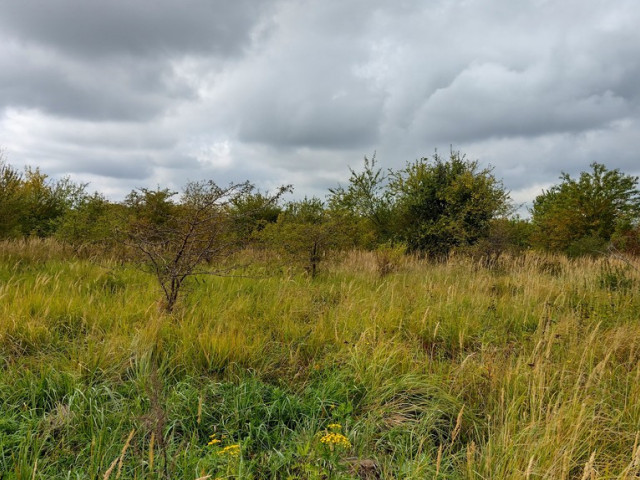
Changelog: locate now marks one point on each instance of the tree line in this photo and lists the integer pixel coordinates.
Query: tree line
(432, 207)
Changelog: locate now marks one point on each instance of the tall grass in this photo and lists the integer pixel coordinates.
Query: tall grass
(527, 369)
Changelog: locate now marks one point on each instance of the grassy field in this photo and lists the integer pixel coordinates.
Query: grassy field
(529, 369)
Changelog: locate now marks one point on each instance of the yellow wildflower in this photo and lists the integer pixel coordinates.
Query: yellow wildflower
(336, 439)
(334, 426)
(213, 440)
(231, 450)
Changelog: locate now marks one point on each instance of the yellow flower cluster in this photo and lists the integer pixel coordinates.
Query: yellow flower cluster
(231, 450)
(334, 426)
(336, 439)
(214, 440)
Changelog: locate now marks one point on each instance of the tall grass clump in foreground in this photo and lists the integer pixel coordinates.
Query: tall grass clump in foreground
(528, 369)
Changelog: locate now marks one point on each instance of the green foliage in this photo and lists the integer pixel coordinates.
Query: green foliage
(505, 235)
(11, 202)
(442, 204)
(581, 216)
(177, 241)
(32, 204)
(306, 232)
(92, 222)
(615, 277)
(591, 245)
(365, 203)
(432, 206)
(253, 211)
(47, 202)
(154, 208)
(511, 233)
(627, 238)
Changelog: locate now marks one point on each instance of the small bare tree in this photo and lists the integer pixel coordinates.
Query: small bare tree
(178, 240)
(306, 232)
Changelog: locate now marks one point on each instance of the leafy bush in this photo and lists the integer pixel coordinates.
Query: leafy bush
(578, 216)
(441, 204)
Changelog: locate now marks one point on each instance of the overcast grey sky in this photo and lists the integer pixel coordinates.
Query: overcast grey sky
(125, 93)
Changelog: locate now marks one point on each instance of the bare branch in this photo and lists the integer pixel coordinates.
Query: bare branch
(175, 240)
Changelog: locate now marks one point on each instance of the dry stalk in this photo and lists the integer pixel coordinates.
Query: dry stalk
(529, 467)
(35, 468)
(199, 417)
(471, 454)
(589, 473)
(439, 460)
(124, 451)
(151, 442)
(107, 474)
(632, 470)
(458, 427)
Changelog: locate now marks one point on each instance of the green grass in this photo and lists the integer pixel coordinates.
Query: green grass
(530, 369)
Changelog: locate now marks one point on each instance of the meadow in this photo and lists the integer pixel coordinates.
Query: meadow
(527, 368)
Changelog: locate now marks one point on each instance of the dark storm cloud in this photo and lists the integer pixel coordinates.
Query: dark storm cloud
(116, 59)
(141, 28)
(122, 90)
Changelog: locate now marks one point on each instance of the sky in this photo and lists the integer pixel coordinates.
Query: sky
(126, 94)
